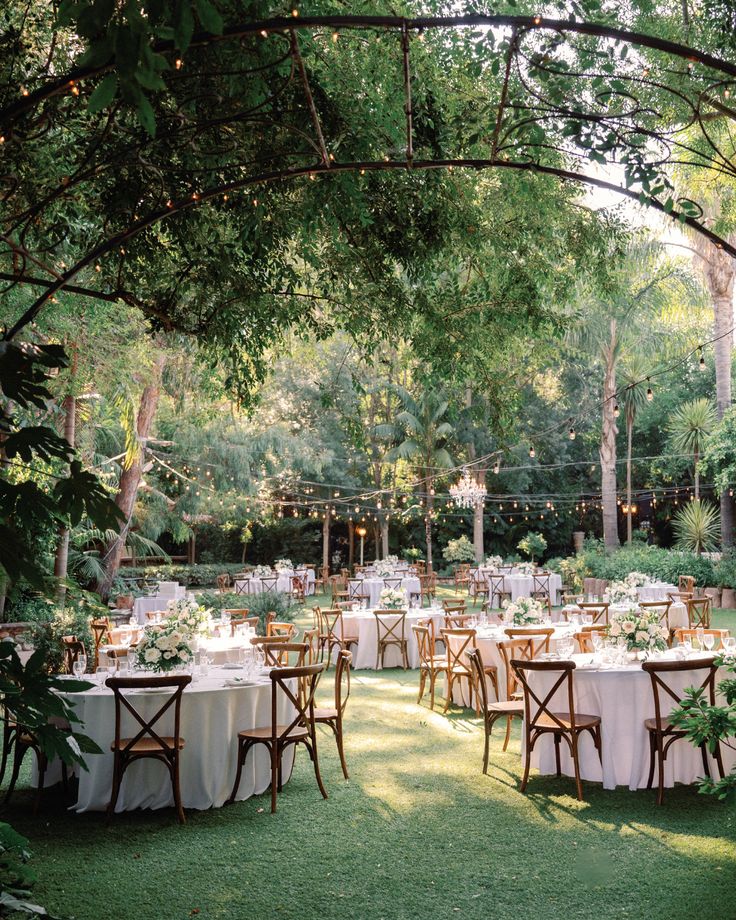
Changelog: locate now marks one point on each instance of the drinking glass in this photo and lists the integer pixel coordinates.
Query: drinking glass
(132, 621)
(688, 643)
(80, 665)
(729, 644)
(709, 640)
(597, 641)
(101, 675)
(699, 632)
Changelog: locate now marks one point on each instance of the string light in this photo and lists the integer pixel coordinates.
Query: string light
(571, 434)
(532, 452)
(616, 411)
(650, 394)
(701, 362)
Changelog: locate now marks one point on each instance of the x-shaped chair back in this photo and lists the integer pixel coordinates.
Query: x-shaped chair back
(307, 678)
(100, 632)
(457, 620)
(393, 583)
(453, 606)
(698, 612)
(332, 624)
(342, 680)
(387, 630)
(268, 583)
(242, 585)
(475, 659)
(496, 587)
(658, 670)
(540, 584)
(73, 648)
(521, 649)
(565, 669)
(464, 639)
(277, 653)
(148, 726)
(599, 612)
(539, 637)
(355, 588)
(424, 643)
(686, 584)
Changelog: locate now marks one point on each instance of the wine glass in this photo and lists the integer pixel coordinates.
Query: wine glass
(729, 644)
(79, 666)
(699, 632)
(688, 643)
(709, 640)
(597, 640)
(101, 675)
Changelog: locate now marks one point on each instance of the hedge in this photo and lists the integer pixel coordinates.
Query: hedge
(663, 564)
(193, 576)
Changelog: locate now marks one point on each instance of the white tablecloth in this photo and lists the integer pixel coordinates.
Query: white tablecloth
(523, 585)
(171, 589)
(144, 605)
(486, 640)
(655, 592)
(254, 585)
(211, 717)
(373, 587)
(362, 623)
(623, 698)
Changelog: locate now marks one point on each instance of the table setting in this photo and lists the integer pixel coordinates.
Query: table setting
(361, 622)
(373, 586)
(283, 571)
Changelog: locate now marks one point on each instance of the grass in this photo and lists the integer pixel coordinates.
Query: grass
(417, 832)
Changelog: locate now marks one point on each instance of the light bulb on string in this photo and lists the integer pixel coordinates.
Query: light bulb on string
(701, 362)
(616, 411)
(497, 468)
(571, 434)
(532, 452)
(650, 394)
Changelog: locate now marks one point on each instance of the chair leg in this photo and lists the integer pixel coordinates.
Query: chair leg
(432, 679)
(274, 775)
(527, 763)
(486, 744)
(117, 775)
(576, 766)
(405, 653)
(449, 692)
(558, 767)
(508, 732)
(341, 749)
(704, 754)
(422, 679)
(7, 747)
(177, 789)
(660, 777)
(652, 759)
(242, 754)
(42, 765)
(315, 761)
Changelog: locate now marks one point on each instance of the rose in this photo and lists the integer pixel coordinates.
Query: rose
(152, 655)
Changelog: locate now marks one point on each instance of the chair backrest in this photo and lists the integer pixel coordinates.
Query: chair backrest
(269, 583)
(280, 629)
(100, 628)
(355, 588)
(585, 642)
(679, 597)
(393, 583)
(223, 581)
(310, 638)
(307, 678)
(148, 726)
(476, 669)
(453, 605)
(458, 642)
(698, 611)
(390, 625)
(458, 620)
(153, 615)
(661, 608)
(664, 692)
(686, 583)
(599, 612)
(277, 653)
(682, 634)
(537, 705)
(497, 584)
(424, 643)
(72, 648)
(538, 636)
(540, 584)
(342, 681)
(252, 622)
(332, 625)
(572, 598)
(514, 648)
(298, 585)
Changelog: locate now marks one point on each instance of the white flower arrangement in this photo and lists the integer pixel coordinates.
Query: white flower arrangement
(283, 565)
(392, 599)
(619, 592)
(188, 616)
(391, 560)
(637, 579)
(641, 631)
(262, 571)
(494, 562)
(383, 569)
(163, 648)
(525, 568)
(523, 611)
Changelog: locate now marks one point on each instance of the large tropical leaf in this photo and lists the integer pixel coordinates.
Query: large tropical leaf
(697, 527)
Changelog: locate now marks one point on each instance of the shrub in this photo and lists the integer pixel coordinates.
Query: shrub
(193, 576)
(725, 571)
(533, 545)
(49, 624)
(663, 564)
(460, 550)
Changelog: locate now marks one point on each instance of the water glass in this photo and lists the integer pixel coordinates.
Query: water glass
(729, 644)
(80, 666)
(101, 675)
(597, 641)
(709, 640)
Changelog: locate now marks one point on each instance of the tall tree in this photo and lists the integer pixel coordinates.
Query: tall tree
(635, 396)
(689, 428)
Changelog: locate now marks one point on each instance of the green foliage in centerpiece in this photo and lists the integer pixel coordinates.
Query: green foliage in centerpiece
(641, 631)
(163, 648)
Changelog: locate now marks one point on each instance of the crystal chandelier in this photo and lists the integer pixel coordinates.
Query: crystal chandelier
(468, 493)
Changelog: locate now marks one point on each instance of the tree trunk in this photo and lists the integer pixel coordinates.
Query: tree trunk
(629, 439)
(192, 549)
(326, 541)
(61, 560)
(608, 448)
(351, 544)
(478, 533)
(719, 270)
(384, 535)
(428, 521)
(696, 456)
(130, 478)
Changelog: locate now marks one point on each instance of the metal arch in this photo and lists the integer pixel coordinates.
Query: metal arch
(331, 168)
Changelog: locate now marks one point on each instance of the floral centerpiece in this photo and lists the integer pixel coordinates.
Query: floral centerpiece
(619, 592)
(283, 565)
(391, 560)
(525, 568)
(383, 568)
(188, 616)
(262, 571)
(637, 579)
(392, 599)
(494, 562)
(523, 611)
(163, 648)
(640, 630)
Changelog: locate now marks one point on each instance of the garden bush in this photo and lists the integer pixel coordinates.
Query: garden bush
(48, 624)
(662, 564)
(193, 576)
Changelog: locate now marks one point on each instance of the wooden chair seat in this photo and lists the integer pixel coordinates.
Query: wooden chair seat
(582, 721)
(325, 714)
(665, 725)
(460, 669)
(145, 745)
(507, 707)
(297, 731)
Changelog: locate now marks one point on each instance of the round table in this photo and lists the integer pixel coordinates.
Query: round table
(254, 584)
(362, 623)
(212, 714)
(622, 696)
(373, 587)
(656, 591)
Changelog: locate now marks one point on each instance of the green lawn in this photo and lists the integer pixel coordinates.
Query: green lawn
(417, 832)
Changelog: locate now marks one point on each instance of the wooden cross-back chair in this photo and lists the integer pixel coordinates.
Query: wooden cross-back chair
(275, 628)
(148, 743)
(539, 637)
(584, 638)
(276, 736)
(427, 587)
(477, 586)
(72, 648)
(241, 618)
(243, 584)
(355, 589)
(497, 591)
(458, 668)
(333, 716)
(454, 605)
(391, 632)
(430, 665)
(458, 620)
(395, 584)
(299, 588)
(310, 637)
(100, 629)
(541, 590)
(223, 582)
(698, 612)
(686, 584)
(276, 653)
(679, 597)
(599, 611)
(269, 584)
(681, 634)
(492, 711)
(540, 719)
(333, 633)
(431, 625)
(462, 575)
(662, 609)
(662, 734)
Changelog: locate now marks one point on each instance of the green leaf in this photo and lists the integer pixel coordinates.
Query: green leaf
(104, 93)
(209, 16)
(184, 28)
(146, 115)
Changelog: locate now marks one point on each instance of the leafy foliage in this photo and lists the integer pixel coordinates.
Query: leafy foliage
(697, 526)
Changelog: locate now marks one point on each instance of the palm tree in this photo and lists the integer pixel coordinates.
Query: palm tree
(689, 427)
(697, 527)
(634, 375)
(420, 433)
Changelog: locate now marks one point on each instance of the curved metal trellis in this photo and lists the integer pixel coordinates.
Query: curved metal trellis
(537, 125)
